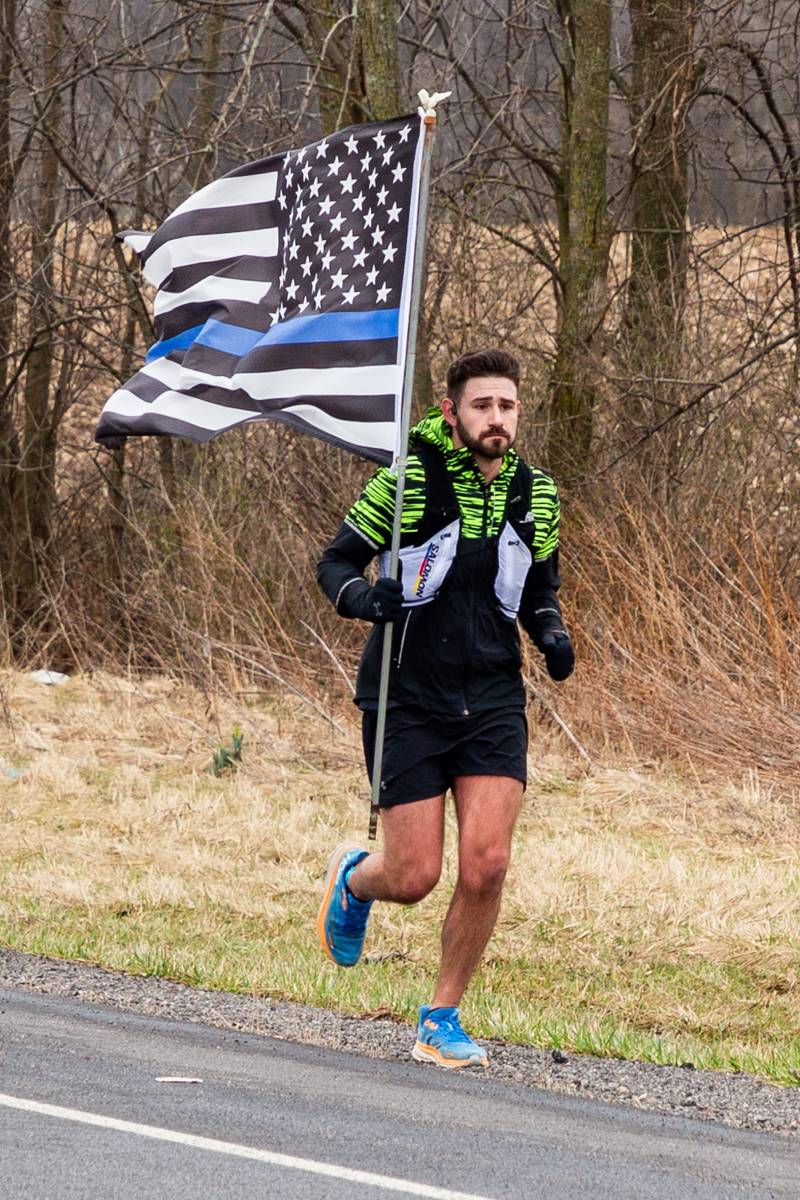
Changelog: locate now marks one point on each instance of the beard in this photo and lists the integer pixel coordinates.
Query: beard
(493, 444)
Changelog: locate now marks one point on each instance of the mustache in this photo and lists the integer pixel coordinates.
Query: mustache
(496, 431)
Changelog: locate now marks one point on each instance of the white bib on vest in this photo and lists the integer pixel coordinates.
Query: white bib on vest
(513, 563)
(425, 566)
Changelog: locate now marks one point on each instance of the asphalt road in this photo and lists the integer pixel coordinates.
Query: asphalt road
(83, 1115)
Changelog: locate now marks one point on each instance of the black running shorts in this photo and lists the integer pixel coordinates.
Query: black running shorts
(423, 753)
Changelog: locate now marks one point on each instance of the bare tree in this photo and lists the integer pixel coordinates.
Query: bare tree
(9, 448)
(583, 226)
(43, 408)
(660, 96)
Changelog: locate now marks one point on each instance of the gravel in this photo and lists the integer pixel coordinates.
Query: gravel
(736, 1099)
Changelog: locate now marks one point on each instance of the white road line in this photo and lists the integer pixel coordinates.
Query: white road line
(387, 1182)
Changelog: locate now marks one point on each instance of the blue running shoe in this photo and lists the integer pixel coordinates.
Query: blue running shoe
(441, 1040)
(342, 919)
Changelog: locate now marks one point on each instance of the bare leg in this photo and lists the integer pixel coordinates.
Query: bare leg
(487, 807)
(410, 863)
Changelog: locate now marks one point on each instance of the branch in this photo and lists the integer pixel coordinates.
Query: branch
(681, 409)
(538, 253)
(547, 168)
(559, 721)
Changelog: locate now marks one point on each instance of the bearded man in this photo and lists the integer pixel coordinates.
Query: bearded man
(479, 552)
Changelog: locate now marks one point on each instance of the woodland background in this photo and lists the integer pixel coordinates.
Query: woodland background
(616, 198)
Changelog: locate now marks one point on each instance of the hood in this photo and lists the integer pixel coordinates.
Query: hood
(434, 430)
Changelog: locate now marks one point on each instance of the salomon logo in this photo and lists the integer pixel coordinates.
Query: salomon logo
(425, 569)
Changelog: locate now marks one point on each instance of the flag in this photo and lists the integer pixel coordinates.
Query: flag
(283, 293)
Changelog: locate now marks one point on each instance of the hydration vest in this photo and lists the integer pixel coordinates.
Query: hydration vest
(428, 553)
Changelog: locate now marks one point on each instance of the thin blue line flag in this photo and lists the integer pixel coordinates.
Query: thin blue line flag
(282, 293)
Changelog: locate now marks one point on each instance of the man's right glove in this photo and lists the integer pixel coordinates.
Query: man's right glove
(383, 602)
(558, 654)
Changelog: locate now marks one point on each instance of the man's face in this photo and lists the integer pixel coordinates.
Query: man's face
(485, 418)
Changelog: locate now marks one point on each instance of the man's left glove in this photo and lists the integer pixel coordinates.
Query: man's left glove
(558, 654)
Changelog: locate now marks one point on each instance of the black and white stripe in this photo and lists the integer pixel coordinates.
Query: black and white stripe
(282, 294)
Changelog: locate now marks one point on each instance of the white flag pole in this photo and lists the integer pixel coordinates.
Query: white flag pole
(429, 107)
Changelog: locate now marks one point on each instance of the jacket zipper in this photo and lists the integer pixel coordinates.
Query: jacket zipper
(474, 601)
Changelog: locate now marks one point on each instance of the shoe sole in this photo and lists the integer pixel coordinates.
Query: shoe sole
(330, 882)
(425, 1053)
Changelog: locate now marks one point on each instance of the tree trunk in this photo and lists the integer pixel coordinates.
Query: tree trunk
(331, 44)
(9, 444)
(378, 39)
(116, 491)
(584, 234)
(377, 34)
(202, 171)
(35, 492)
(662, 77)
(185, 461)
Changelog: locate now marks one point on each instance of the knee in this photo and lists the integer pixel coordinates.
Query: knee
(414, 882)
(483, 874)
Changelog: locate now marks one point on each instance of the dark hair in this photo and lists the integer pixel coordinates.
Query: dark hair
(481, 362)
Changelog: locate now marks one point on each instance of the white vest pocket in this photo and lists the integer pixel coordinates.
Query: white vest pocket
(513, 563)
(425, 567)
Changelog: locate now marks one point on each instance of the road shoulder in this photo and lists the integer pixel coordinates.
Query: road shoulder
(733, 1099)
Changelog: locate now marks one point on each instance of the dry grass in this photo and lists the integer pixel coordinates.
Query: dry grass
(647, 913)
(689, 653)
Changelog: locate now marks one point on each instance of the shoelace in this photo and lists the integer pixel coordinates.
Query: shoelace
(450, 1024)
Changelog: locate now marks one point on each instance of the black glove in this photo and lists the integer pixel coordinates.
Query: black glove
(383, 602)
(558, 654)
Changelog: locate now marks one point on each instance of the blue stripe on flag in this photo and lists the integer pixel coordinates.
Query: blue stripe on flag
(181, 341)
(232, 339)
(323, 327)
(335, 327)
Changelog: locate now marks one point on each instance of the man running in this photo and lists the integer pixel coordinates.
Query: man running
(479, 550)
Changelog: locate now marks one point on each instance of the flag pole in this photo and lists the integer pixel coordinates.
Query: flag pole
(405, 423)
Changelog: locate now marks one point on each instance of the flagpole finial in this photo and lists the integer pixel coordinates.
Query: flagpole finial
(429, 102)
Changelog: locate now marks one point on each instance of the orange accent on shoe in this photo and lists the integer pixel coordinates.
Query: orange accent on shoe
(452, 1064)
(333, 871)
